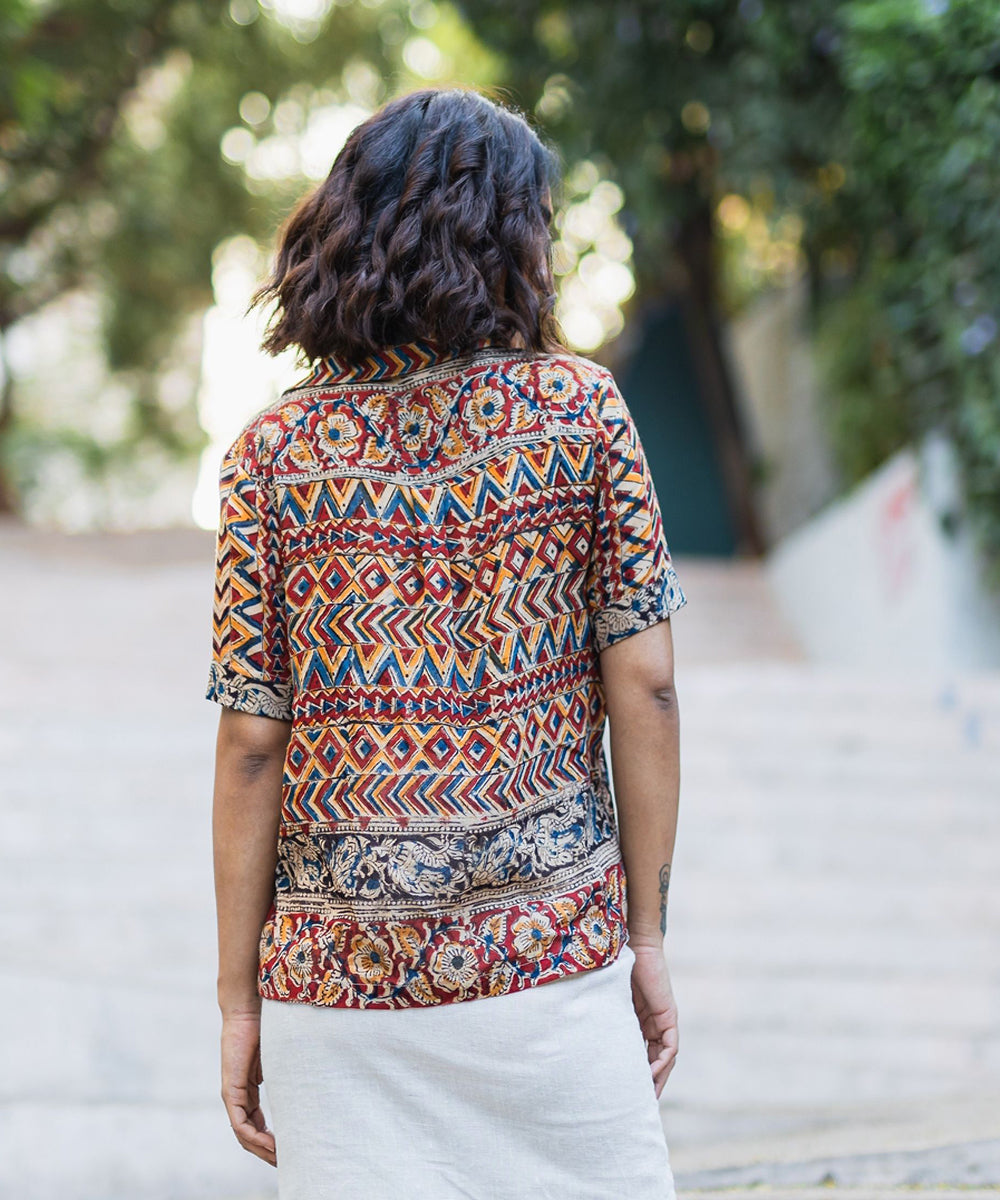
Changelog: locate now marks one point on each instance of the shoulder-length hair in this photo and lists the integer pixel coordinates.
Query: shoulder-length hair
(433, 224)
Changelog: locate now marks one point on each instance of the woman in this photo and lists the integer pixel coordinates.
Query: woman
(441, 561)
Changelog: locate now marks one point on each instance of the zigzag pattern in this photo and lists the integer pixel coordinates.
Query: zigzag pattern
(500, 661)
(444, 704)
(444, 795)
(553, 474)
(249, 642)
(354, 603)
(362, 535)
(395, 360)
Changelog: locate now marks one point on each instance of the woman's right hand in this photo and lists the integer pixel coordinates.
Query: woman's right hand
(241, 1080)
(653, 1000)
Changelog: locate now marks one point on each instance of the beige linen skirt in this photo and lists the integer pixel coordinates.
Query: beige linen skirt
(544, 1094)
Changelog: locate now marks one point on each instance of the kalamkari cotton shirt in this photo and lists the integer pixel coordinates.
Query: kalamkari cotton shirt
(420, 557)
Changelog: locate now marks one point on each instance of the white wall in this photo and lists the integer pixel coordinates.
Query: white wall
(781, 406)
(874, 580)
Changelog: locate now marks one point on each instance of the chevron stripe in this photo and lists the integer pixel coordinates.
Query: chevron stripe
(511, 479)
(427, 793)
(442, 704)
(566, 516)
(501, 659)
(413, 356)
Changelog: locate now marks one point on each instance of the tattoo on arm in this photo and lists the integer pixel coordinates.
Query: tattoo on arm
(664, 886)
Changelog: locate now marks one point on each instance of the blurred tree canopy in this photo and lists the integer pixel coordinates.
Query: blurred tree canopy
(864, 129)
(677, 102)
(873, 124)
(111, 120)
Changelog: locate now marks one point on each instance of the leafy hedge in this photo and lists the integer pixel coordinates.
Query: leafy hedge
(912, 339)
(878, 123)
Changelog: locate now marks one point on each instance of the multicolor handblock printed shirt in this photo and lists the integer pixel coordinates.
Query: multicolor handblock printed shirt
(420, 557)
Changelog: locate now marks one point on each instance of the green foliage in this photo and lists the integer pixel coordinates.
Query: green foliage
(665, 97)
(868, 417)
(896, 184)
(922, 118)
(111, 118)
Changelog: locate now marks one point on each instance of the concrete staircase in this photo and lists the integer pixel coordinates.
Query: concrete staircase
(834, 915)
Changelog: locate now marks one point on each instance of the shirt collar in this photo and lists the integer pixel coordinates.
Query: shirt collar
(386, 364)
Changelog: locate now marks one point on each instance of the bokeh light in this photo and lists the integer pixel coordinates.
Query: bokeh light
(592, 257)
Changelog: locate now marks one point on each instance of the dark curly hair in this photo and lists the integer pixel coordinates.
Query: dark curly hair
(433, 224)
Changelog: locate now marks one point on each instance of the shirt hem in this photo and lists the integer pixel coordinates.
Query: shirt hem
(644, 607)
(343, 963)
(256, 696)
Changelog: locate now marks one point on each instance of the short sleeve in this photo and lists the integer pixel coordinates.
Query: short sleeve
(249, 668)
(631, 582)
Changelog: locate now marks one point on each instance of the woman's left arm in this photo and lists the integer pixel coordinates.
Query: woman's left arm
(250, 751)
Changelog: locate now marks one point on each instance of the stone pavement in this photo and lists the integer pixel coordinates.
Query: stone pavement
(834, 915)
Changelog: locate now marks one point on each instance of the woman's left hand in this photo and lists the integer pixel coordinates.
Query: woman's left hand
(241, 1079)
(653, 1000)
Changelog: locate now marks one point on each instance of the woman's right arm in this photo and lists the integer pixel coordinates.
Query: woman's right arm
(638, 678)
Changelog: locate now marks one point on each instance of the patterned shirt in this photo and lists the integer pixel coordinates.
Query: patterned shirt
(420, 556)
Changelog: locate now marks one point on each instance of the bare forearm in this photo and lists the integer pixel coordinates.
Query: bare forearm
(645, 759)
(245, 817)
